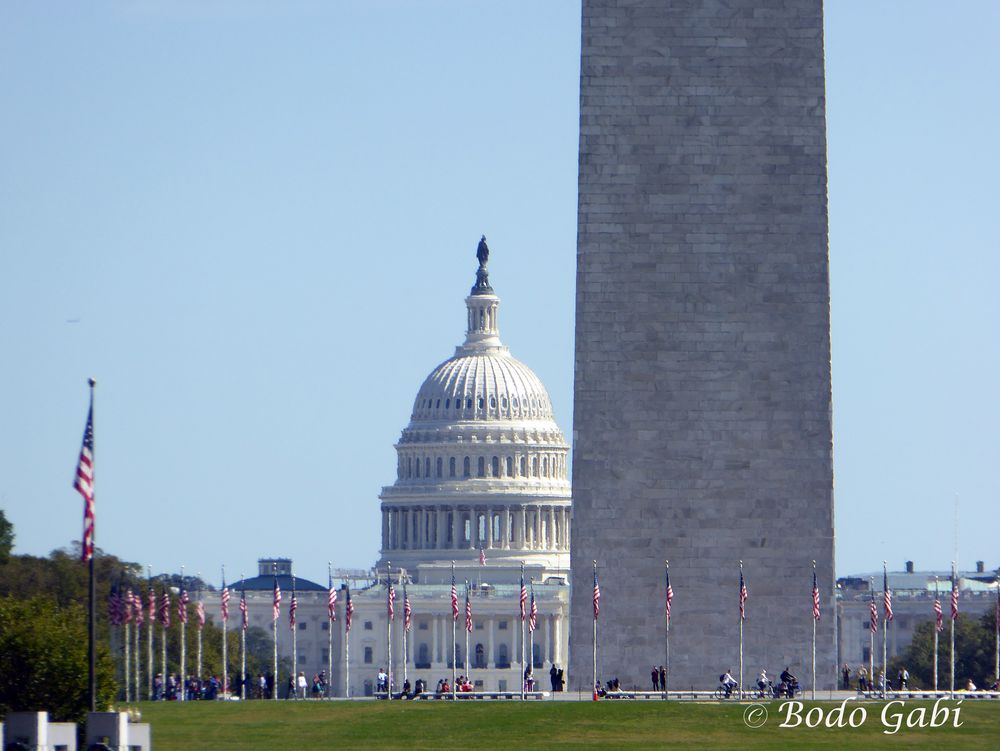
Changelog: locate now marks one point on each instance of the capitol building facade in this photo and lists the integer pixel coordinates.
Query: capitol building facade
(481, 494)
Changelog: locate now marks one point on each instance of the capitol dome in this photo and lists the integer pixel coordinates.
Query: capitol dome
(482, 467)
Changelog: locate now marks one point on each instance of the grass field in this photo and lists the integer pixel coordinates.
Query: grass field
(490, 726)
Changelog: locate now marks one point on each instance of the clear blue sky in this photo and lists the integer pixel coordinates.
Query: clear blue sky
(255, 224)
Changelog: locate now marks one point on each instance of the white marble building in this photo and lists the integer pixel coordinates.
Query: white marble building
(482, 472)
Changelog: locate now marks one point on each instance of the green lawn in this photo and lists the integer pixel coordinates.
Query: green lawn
(488, 726)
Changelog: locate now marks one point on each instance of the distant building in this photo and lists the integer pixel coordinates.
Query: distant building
(912, 603)
(482, 473)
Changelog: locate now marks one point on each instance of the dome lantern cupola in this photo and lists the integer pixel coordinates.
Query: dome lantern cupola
(482, 333)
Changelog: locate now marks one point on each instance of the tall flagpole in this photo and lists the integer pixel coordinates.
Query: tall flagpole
(669, 596)
(871, 634)
(329, 630)
(127, 629)
(996, 667)
(406, 603)
(741, 630)
(594, 683)
(199, 613)
(954, 584)
(137, 606)
(814, 641)
(84, 485)
(885, 629)
(164, 623)
(524, 623)
(937, 605)
(454, 635)
(388, 630)
(243, 638)
(151, 601)
(468, 659)
(182, 615)
(292, 607)
(274, 628)
(225, 636)
(348, 613)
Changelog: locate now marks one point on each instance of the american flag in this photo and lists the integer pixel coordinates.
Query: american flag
(390, 599)
(482, 557)
(182, 605)
(348, 611)
(244, 618)
(84, 483)
(468, 610)
(815, 594)
(454, 598)
(151, 600)
(292, 608)
(886, 596)
(137, 605)
(597, 595)
(114, 606)
(199, 610)
(873, 615)
(533, 614)
(224, 598)
(954, 597)
(165, 609)
(276, 601)
(407, 610)
(670, 595)
(331, 601)
(938, 614)
(524, 597)
(127, 607)
(743, 597)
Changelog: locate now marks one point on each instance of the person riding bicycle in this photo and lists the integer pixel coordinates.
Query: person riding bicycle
(728, 682)
(763, 682)
(790, 682)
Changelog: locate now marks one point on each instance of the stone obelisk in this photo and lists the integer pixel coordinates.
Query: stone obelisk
(702, 388)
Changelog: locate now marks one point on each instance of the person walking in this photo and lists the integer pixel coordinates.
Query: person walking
(655, 677)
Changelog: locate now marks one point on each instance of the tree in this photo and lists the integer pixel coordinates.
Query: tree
(44, 664)
(6, 538)
(975, 647)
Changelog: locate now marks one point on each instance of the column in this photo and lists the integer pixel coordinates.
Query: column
(524, 527)
(491, 659)
(385, 529)
(489, 527)
(435, 648)
(549, 652)
(393, 528)
(439, 536)
(557, 639)
(503, 527)
(473, 527)
(552, 528)
(456, 521)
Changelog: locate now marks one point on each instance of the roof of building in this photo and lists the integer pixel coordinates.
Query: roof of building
(285, 582)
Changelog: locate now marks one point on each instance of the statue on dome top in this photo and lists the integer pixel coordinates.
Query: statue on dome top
(482, 286)
(483, 252)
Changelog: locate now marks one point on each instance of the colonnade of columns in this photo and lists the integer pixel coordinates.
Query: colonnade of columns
(437, 639)
(470, 527)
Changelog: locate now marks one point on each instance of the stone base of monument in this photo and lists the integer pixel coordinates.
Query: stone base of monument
(32, 731)
(112, 731)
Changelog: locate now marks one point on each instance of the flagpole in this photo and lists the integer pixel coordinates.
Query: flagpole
(996, 666)
(329, 632)
(405, 603)
(243, 641)
(741, 633)
(163, 636)
(88, 550)
(295, 639)
(198, 613)
(937, 600)
(388, 630)
(468, 660)
(524, 623)
(347, 645)
(666, 693)
(225, 639)
(531, 638)
(594, 682)
(885, 631)
(149, 635)
(954, 583)
(814, 644)
(274, 633)
(454, 639)
(871, 634)
(137, 603)
(128, 662)
(181, 605)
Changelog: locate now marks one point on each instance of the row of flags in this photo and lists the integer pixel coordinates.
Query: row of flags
(128, 607)
(936, 607)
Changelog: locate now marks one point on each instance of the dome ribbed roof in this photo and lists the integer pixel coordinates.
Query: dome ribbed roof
(483, 386)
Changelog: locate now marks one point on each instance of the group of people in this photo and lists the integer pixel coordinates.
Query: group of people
(194, 688)
(865, 683)
(659, 677)
(788, 684)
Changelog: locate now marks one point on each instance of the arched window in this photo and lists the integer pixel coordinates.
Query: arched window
(416, 469)
(523, 470)
(467, 467)
(495, 466)
(480, 657)
(482, 467)
(423, 658)
(440, 466)
(493, 402)
(409, 466)
(481, 526)
(534, 466)
(451, 467)
(427, 467)
(515, 402)
(503, 661)
(468, 403)
(480, 403)
(510, 466)
(447, 403)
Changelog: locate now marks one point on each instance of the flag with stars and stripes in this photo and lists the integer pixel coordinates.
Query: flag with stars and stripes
(114, 606)
(954, 596)
(244, 617)
(348, 612)
(276, 601)
(454, 598)
(468, 610)
(151, 602)
(886, 596)
(938, 614)
(533, 614)
(128, 606)
(293, 607)
(165, 609)
(331, 601)
(390, 599)
(407, 610)
(84, 484)
(523, 598)
(597, 596)
(744, 596)
(182, 603)
(199, 611)
(873, 614)
(815, 597)
(224, 603)
(670, 596)
(137, 605)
